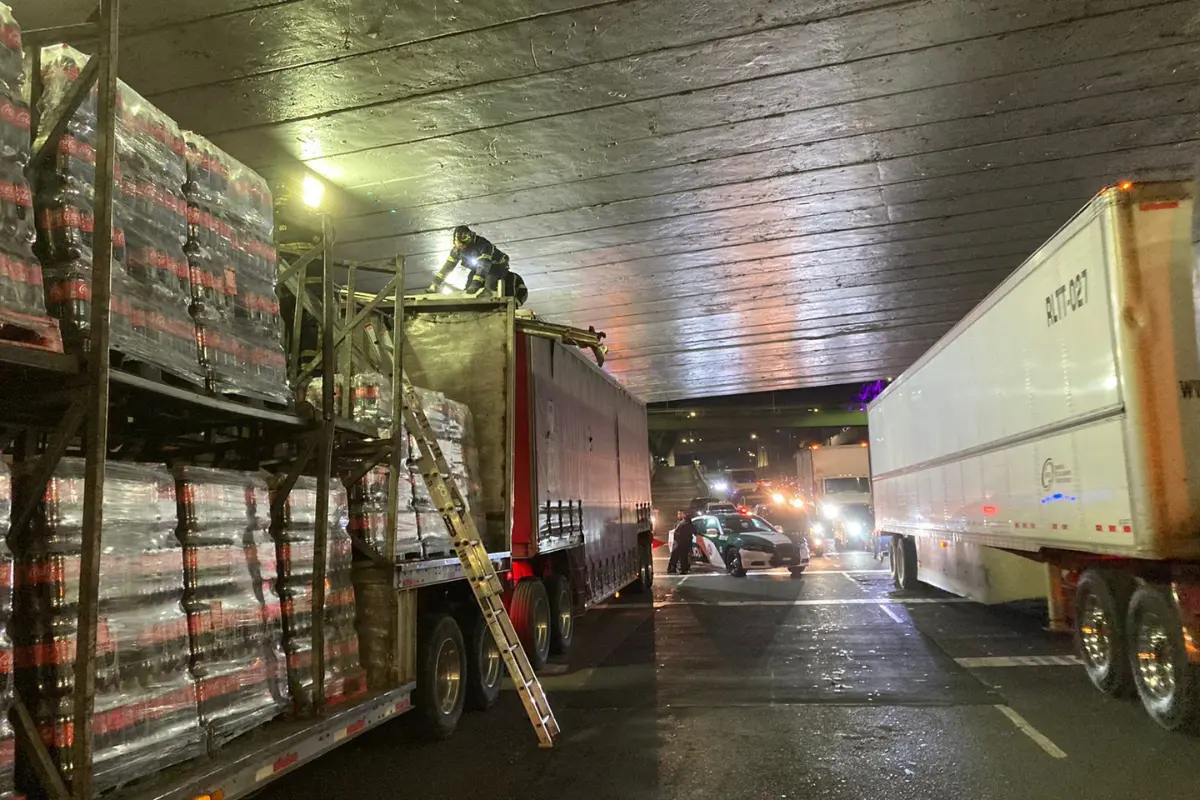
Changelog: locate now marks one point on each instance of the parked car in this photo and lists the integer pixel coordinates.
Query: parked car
(796, 522)
(742, 542)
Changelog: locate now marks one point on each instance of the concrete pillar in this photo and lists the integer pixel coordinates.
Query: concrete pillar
(671, 457)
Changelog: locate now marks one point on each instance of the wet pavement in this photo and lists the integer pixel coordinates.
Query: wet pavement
(834, 686)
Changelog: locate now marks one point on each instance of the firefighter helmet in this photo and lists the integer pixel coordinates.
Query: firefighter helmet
(463, 236)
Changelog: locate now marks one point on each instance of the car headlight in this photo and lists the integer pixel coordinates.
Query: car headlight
(797, 502)
(854, 528)
(817, 529)
(829, 511)
(778, 497)
(719, 486)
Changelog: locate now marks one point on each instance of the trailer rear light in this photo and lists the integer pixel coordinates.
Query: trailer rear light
(217, 795)
(1125, 186)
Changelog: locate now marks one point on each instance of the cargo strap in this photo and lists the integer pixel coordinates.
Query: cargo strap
(478, 567)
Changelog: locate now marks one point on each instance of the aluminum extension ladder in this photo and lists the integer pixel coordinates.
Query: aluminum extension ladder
(478, 568)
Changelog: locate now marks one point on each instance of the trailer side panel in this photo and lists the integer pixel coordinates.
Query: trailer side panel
(591, 463)
(1040, 421)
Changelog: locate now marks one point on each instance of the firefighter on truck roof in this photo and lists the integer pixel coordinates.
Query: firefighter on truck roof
(488, 267)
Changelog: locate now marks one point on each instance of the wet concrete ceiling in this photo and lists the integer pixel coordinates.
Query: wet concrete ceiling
(745, 196)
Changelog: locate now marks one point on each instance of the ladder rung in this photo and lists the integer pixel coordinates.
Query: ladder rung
(477, 566)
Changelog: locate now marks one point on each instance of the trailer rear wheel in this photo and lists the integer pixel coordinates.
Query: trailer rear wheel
(562, 614)
(903, 552)
(485, 667)
(1101, 608)
(645, 568)
(1166, 680)
(530, 614)
(441, 666)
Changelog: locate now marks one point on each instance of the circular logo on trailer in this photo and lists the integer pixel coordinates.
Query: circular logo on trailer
(1048, 474)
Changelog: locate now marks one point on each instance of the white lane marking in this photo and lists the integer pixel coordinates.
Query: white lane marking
(987, 662)
(848, 601)
(888, 610)
(1033, 733)
(850, 578)
(777, 574)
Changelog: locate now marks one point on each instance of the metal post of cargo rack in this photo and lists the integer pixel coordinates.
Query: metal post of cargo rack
(347, 360)
(396, 460)
(324, 467)
(96, 441)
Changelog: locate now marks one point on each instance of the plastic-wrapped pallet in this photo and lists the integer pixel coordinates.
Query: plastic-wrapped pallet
(263, 562)
(236, 646)
(314, 392)
(7, 740)
(145, 708)
(22, 303)
(150, 284)
(368, 513)
(371, 399)
(344, 675)
(231, 256)
(455, 431)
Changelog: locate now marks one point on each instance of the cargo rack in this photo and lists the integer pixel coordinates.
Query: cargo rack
(57, 404)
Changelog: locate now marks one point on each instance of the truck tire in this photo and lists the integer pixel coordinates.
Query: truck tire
(1101, 611)
(530, 614)
(485, 667)
(441, 672)
(645, 580)
(903, 550)
(1167, 682)
(562, 614)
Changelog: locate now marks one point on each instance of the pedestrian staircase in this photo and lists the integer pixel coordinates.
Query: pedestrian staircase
(674, 488)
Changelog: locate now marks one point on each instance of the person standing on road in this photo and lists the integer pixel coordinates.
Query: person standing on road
(681, 545)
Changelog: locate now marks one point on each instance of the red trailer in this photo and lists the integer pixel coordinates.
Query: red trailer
(563, 454)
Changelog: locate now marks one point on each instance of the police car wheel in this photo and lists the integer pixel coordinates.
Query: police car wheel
(733, 561)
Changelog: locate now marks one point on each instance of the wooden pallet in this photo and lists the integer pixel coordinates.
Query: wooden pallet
(30, 331)
(195, 384)
(151, 372)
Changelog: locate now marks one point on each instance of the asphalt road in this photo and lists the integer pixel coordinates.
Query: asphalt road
(830, 686)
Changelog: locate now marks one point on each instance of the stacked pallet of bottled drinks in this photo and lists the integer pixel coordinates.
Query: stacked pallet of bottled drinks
(193, 264)
(420, 530)
(7, 740)
(23, 317)
(203, 612)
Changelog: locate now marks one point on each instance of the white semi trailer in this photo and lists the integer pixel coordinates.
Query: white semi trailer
(1060, 422)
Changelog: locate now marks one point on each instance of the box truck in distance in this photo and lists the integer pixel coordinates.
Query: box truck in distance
(837, 479)
(1060, 421)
